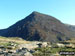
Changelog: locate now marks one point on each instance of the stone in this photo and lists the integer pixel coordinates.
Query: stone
(28, 54)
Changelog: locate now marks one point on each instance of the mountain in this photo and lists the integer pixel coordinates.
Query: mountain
(39, 27)
(71, 27)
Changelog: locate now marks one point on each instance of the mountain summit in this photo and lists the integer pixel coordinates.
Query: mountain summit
(39, 27)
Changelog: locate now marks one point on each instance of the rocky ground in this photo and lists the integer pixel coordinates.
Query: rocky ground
(20, 47)
(14, 49)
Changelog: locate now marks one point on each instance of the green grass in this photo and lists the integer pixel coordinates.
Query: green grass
(48, 51)
(13, 38)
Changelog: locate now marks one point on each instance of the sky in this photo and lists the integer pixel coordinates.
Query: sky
(12, 11)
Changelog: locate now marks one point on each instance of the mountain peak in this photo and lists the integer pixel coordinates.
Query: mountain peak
(38, 26)
(36, 13)
(40, 14)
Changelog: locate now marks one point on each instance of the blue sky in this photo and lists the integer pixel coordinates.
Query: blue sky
(12, 11)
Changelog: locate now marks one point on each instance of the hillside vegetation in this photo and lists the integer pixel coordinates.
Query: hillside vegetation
(13, 39)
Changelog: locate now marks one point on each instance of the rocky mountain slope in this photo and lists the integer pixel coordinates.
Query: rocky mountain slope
(39, 27)
(71, 27)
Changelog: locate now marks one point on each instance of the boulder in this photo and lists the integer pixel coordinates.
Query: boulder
(28, 54)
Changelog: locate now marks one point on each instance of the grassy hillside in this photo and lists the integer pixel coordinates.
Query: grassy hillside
(13, 39)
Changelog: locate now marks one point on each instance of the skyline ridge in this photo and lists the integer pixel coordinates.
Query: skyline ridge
(37, 13)
(15, 10)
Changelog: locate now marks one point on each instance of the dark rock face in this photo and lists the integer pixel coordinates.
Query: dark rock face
(40, 27)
